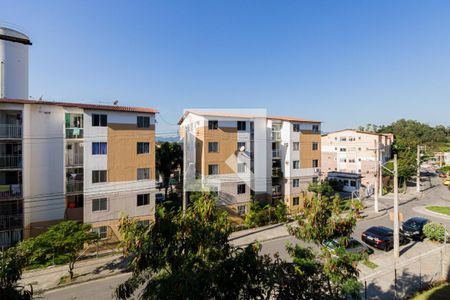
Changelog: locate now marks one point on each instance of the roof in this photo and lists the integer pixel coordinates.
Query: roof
(241, 116)
(82, 105)
(359, 131)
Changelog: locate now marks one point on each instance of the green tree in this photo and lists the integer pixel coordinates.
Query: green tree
(61, 243)
(169, 157)
(12, 261)
(322, 188)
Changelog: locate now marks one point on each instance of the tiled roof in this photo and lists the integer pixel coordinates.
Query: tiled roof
(291, 119)
(82, 105)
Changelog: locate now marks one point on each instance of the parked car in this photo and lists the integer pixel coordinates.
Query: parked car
(382, 237)
(353, 246)
(413, 228)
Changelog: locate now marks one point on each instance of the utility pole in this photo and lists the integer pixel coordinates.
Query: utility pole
(419, 148)
(377, 175)
(396, 220)
(380, 171)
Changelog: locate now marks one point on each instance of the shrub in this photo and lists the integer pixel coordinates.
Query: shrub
(434, 231)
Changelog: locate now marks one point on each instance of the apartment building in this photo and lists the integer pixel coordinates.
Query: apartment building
(249, 156)
(74, 161)
(350, 157)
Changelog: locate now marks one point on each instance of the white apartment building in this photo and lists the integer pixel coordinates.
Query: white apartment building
(350, 156)
(249, 156)
(74, 161)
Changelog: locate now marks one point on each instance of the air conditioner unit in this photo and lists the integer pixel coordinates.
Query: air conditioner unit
(316, 170)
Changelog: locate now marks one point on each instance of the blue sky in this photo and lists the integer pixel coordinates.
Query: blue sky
(346, 63)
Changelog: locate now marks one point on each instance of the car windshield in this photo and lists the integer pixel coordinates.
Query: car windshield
(381, 230)
(413, 224)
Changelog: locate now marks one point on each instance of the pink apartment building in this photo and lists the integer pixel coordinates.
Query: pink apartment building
(349, 156)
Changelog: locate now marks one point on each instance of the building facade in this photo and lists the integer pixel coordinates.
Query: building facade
(350, 157)
(73, 161)
(245, 157)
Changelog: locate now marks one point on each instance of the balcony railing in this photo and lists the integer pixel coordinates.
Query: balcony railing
(10, 161)
(8, 222)
(276, 153)
(10, 131)
(276, 136)
(74, 133)
(74, 186)
(10, 191)
(74, 159)
(277, 172)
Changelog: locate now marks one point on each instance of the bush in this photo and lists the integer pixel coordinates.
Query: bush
(261, 214)
(434, 231)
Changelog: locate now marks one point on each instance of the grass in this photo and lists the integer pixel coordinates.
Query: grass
(370, 264)
(440, 209)
(440, 292)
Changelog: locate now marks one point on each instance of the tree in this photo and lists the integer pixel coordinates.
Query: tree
(321, 188)
(12, 261)
(323, 220)
(169, 157)
(61, 243)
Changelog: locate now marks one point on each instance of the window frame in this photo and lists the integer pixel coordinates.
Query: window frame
(142, 199)
(241, 125)
(99, 202)
(315, 163)
(210, 149)
(209, 169)
(242, 144)
(294, 200)
(140, 121)
(296, 146)
(98, 146)
(296, 127)
(295, 183)
(296, 164)
(99, 176)
(99, 120)
(145, 177)
(99, 232)
(140, 147)
(315, 146)
(241, 189)
(213, 124)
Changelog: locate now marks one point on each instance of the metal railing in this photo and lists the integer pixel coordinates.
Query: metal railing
(276, 136)
(12, 221)
(10, 191)
(74, 186)
(74, 133)
(276, 153)
(10, 131)
(277, 172)
(10, 161)
(74, 159)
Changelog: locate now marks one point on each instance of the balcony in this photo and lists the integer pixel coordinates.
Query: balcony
(276, 153)
(10, 161)
(74, 159)
(10, 131)
(8, 191)
(74, 133)
(8, 222)
(277, 172)
(74, 186)
(276, 136)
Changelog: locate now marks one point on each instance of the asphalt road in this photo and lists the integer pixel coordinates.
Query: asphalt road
(103, 289)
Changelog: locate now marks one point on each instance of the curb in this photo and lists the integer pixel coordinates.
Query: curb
(266, 240)
(423, 210)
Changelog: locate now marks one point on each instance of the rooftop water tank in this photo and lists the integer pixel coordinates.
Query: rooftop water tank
(13, 64)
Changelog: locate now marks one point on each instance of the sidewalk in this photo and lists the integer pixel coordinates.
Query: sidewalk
(261, 234)
(86, 270)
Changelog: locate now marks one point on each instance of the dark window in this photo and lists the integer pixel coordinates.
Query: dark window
(296, 201)
(213, 147)
(212, 125)
(240, 145)
(99, 120)
(241, 188)
(143, 173)
(143, 122)
(99, 176)
(213, 169)
(241, 125)
(143, 147)
(99, 204)
(99, 148)
(101, 231)
(315, 146)
(315, 163)
(75, 201)
(296, 164)
(296, 182)
(143, 199)
(296, 127)
(315, 128)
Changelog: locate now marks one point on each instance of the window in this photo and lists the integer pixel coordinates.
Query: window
(241, 209)
(213, 169)
(213, 147)
(241, 167)
(296, 164)
(342, 160)
(315, 179)
(351, 160)
(99, 120)
(315, 146)
(143, 173)
(102, 232)
(144, 222)
(295, 146)
(296, 127)
(315, 163)
(99, 176)
(143, 122)
(296, 182)
(343, 139)
(295, 201)
(99, 204)
(241, 125)
(99, 148)
(143, 199)
(315, 128)
(143, 147)
(240, 145)
(213, 125)
(353, 183)
(241, 188)
(343, 149)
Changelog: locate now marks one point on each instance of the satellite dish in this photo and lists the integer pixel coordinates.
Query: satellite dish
(242, 149)
(116, 102)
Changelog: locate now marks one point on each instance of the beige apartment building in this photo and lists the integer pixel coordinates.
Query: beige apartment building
(249, 156)
(350, 157)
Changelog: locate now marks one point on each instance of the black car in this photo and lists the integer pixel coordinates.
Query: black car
(413, 228)
(381, 237)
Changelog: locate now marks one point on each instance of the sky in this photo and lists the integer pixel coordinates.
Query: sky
(346, 63)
